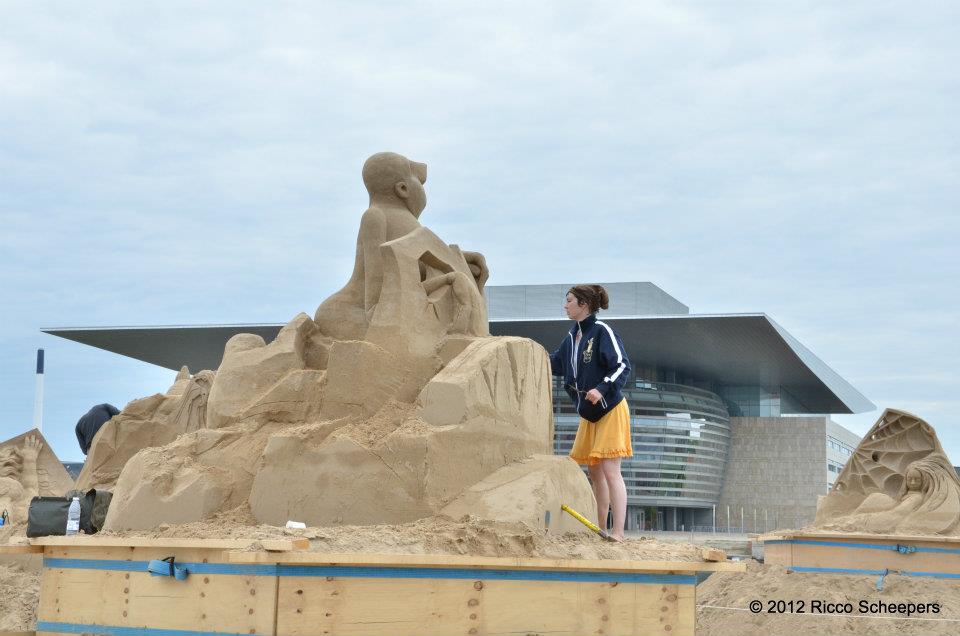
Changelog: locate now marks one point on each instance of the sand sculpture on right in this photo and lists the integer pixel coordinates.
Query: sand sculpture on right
(899, 480)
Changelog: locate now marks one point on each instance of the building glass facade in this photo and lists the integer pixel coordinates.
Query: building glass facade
(680, 437)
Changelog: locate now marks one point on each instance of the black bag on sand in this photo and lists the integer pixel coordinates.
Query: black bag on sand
(93, 510)
(48, 515)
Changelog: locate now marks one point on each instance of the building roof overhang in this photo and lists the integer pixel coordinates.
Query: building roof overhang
(731, 349)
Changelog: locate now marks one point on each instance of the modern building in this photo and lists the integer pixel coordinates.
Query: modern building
(730, 414)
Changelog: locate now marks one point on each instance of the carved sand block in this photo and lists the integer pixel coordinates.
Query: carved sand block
(29, 468)
(149, 422)
(487, 411)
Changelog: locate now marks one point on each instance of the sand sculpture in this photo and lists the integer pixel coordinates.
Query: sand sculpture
(29, 468)
(152, 421)
(392, 404)
(899, 480)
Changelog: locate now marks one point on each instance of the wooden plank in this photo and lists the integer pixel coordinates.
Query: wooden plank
(794, 553)
(273, 545)
(777, 554)
(440, 607)
(860, 538)
(493, 563)
(20, 549)
(869, 559)
(203, 602)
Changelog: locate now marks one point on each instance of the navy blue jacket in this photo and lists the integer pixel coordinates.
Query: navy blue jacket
(91, 422)
(599, 362)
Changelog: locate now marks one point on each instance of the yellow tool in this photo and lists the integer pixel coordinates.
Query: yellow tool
(579, 517)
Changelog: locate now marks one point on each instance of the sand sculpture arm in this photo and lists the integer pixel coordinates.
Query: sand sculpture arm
(478, 267)
(373, 234)
(460, 284)
(29, 478)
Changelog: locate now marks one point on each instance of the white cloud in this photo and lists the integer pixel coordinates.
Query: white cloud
(184, 163)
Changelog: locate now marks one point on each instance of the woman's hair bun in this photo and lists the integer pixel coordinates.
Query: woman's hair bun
(603, 300)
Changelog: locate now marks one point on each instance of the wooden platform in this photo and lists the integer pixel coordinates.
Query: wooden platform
(100, 585)
(879, 554)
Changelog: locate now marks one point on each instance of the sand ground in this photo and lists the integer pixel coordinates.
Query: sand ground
(733, 592)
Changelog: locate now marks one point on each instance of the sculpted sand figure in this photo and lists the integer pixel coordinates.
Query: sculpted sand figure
(397, 198)
(928, 501)
(898, 480)
(393, 404)
(19, 479)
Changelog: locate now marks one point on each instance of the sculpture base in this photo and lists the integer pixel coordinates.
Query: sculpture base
(878, 554)
(101, 585)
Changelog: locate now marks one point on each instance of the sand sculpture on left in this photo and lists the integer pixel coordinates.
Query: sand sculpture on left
(392, 403)
(28, 468)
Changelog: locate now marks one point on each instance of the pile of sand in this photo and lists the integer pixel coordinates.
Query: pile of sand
(771, 582)
(434, 535)
(19, 596)
(13, 534)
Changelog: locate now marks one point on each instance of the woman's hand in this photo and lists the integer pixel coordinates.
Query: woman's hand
(593, 396)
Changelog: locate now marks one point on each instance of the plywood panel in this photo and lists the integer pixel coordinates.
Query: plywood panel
(343, 606)
(468, 595)
(777, 553)
(206, 602)
(871, 559)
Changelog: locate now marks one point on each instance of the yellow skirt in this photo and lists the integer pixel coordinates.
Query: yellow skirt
(604, 439)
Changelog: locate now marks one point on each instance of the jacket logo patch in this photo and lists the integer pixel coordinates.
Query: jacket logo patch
(588, 351)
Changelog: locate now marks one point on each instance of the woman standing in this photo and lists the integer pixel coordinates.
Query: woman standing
(595, 368)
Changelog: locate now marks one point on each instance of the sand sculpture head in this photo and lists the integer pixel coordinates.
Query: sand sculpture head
(914, 480)
(393, 179)
(930, 478)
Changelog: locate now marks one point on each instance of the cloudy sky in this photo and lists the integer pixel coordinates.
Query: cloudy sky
(188, 163)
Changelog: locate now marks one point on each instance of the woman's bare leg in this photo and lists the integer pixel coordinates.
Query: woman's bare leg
(617, 491)
(599, 482)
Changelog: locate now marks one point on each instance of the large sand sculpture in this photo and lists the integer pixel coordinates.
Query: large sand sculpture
(28, 468)
(393, 403)
(899, 480)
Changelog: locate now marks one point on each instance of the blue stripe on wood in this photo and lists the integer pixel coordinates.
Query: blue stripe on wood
(141, 566)
(345, 571)
(485, 575)
(78, 628)
(939, 575)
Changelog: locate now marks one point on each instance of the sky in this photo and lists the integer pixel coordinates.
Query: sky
(199, 163)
